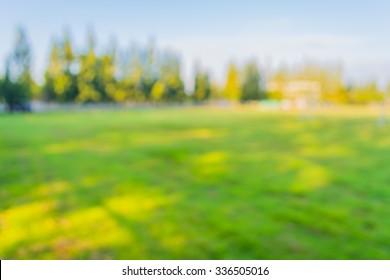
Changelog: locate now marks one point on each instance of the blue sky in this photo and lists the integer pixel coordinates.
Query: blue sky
(214, 33)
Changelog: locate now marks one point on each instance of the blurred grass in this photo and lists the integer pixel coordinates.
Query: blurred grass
(194, 184)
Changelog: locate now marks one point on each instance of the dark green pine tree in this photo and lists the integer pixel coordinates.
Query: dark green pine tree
(251, 89)
(202, 90)
(18, 82)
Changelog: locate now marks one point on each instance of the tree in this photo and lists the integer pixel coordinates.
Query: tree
(329, 78)
(60, 82)
(69, 60)
(130, 76)
(53, 88)
(18, 82)
(366, 93)
(251, 85)
(86, 79)
(277, 83)
(137, 74)
(105, 82)
(2, 81)
(232, 90)
(202, 89)
(149, 77)
(309, 80)
(7, 90)
(169, 86)
(216, 92)
(387, 94)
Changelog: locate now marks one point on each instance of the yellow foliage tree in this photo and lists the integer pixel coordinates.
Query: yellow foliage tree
(232, 90)
(87, 75)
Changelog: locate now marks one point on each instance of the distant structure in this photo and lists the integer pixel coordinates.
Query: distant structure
(297, 94)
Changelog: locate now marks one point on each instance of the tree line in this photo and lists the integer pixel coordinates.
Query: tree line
(150, 75)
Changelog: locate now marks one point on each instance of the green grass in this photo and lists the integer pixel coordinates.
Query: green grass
(190, 183)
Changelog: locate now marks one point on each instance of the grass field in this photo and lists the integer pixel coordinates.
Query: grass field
(194, 183)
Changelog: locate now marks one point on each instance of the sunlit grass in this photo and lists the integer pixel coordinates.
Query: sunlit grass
(194, 183)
